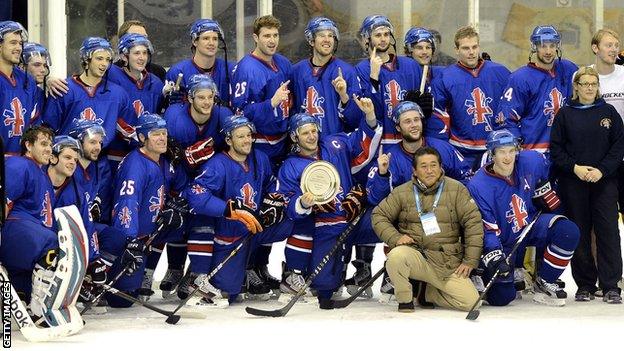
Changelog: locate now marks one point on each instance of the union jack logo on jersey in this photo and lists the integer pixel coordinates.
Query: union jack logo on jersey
(479, 108)
(393, 95)
(285, 106)
(46, 210)
(312, 103)
(125, 217)
(553, 104)
(156, 202)
(198, 189)
(138, 107)
(15, 117)
(247, 196)
(90, 115)
(518, 214)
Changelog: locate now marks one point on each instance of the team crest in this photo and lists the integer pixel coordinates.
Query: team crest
(90, 115)
(138, 107)
(125, 217)
(313, 103)
(605, 123)
(393, 95)
(14, 117)
(46, 210)
(198, 189)
(518, 214)
(479, 108)
(156, 202)
(247, 196)
(553, 104)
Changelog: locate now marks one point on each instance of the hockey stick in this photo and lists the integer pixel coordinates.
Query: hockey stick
(172, 318)
(474, 312)
(346, 302)
(284, 310)
(112, 282)
(149, 306)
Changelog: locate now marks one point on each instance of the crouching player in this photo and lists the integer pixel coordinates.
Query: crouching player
(509, 191)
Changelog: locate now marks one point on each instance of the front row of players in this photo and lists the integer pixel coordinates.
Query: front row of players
(236, 195)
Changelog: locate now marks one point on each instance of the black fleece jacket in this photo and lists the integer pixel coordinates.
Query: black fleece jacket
(587, 135)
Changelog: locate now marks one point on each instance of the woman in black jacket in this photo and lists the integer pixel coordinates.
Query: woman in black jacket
(586, 148)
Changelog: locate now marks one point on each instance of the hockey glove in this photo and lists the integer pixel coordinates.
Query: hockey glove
(235, 210)
(619, 60)
(494, 260)
(424, 100)
(95, 209)
(354, 202)
(272, 209)
(177, 97)
(199, 152)
(545, 197)
(329, 207)
(132, 257)
(98, 271)
(174, 152)
(486, 56)
(171, 217)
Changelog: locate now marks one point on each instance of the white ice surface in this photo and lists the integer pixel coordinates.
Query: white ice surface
(364, 325)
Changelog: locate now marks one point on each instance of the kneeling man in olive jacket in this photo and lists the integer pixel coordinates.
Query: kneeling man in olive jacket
(434, 230)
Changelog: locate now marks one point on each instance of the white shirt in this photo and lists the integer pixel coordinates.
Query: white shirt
(612, 89)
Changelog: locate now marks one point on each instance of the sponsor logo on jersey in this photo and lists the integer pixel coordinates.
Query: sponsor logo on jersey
(393, 95)
(156, 202)
(90, 115)
(518, 214)
(46, 210)
(312, 103)
(605, 123)
(14, 117)
(138, 107)
(125, 217)
(553, 104)
(247, 196)
(479, 108)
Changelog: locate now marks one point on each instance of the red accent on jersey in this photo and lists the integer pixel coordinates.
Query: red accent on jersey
(517, 214)
(479, 108)
(15, 117)
(46, 210)
(138, 107)
(312, 103)
(125, 217)
(247, 196)
(552, 106)
(393, 94)
(156, 202)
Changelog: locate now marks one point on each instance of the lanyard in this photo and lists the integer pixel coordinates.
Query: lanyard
(435, 201)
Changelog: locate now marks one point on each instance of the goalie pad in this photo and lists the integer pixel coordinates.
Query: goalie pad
(55, 292)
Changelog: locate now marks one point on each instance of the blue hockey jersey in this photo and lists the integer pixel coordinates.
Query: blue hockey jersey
(145, 95)
(223, 178)
(18, 105)
(217, 73)
(531, 100)
(315, 95)
(107, 104)
(466, 101)
(141, 185)
(253, 84)
(349, 153)
(29, 192)
(182, 127)
(97, 180)
(505, 204)
(395, 79)
(400, 168)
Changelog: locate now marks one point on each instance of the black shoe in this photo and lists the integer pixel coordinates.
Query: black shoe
(419, 289)
(612, 296)
(583, 295)
(406, 307)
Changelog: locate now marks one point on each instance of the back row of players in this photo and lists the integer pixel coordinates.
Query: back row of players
(235, 194)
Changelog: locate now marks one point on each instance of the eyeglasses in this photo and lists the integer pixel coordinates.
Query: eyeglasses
(587, 85)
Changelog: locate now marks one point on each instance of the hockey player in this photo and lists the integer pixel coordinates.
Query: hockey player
(143, 184)
(511, 191)
(92, 96)
(420, 45)
(323, 84)
(348, 153)
(467, 97)
(206, 34)
(18, 101)
(536, 91)
(261, 88)
(230, 189)
(387, 78)
(138, 27)
(36, 62)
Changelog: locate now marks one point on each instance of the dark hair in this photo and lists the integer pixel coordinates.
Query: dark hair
(32, 133)
(267, 21)
(426, 150)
